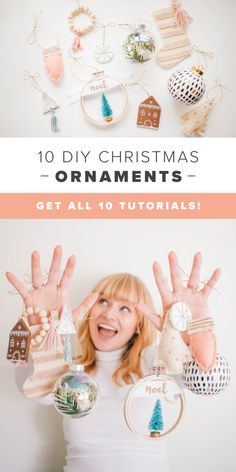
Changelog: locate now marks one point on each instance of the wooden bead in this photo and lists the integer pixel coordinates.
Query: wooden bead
(37, 310)
(45, 326)
(38, 339)
(43, 333)
(30, 310)
(42, 313)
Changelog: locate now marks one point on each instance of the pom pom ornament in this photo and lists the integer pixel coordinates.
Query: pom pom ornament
(75, 393)
(209, 383)
(154, 407)
(140, 45)
(187, 85)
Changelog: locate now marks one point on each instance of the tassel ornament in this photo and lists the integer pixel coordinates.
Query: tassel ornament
(54, 122)
(181, 16)
(52, 341)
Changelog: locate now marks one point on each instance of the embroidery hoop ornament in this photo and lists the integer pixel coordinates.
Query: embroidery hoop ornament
(97, 76)
(78, 32)
(155, 381)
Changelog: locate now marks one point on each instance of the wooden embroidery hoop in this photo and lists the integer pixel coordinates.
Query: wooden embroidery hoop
(104, 124)
(151, 378)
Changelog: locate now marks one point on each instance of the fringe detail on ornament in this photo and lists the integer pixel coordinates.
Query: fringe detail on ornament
(52, 341)
(54, 122)
(67, 349)
(76, 46)
(181, 16)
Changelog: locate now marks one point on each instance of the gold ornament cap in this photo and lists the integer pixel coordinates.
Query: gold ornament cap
(198, 70)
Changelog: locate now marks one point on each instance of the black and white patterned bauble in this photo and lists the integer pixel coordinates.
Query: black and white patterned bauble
(186, 86)
(211, 382)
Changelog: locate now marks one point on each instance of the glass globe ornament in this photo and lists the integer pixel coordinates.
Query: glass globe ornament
(75, 393)
(139, 46)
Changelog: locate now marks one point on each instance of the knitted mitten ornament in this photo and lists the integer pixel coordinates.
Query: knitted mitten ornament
(173, 22)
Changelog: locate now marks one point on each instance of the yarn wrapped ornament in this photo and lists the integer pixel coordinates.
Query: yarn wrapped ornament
(75, 393)
(187, 85)
(209, 382)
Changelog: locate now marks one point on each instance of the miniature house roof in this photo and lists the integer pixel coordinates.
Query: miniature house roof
(20, 328)
(151, 101)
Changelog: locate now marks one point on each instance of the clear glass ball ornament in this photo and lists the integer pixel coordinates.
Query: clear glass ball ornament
(139, 46)
(75, 393)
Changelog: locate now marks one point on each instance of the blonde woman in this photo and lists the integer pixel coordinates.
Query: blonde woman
(118, 345)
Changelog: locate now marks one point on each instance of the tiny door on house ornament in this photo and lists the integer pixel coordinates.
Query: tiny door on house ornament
(149, 114)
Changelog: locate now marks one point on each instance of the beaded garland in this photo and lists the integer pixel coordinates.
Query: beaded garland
(79, 31)
(45, 326)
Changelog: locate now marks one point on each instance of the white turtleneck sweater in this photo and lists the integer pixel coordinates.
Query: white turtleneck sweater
(101, 441)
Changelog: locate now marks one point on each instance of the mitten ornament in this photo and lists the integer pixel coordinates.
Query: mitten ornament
(176, 46)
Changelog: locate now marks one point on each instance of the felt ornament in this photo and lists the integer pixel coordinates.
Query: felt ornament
(187, 85)
(149, 113)
(209, 382)
(78, 32)
(48, 104)
(172, 350)
(176, 46)
(75, 393)
(52, 56)
(158, 397)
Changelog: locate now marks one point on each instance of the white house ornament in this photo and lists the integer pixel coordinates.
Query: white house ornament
(149, 113)
(19, 343)
(139, 46)
(154, 407)
(187, 85)
(180, 316)
(195, 121)
(75, 393)
(104, 100)
(209, 382)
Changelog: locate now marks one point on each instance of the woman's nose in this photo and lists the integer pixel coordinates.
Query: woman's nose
(111, 311)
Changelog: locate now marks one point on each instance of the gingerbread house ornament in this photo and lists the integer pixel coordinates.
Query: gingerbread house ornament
(19, 343)
(149, 113)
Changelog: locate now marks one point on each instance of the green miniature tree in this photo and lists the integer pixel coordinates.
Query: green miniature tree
(156, 424)
(106, 109)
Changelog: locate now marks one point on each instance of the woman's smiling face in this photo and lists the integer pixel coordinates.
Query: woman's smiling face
(112, 323)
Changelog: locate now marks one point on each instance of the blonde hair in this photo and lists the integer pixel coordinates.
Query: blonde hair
(121, 287)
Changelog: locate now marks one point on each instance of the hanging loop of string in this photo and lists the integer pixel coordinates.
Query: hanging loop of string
(138, 83)
(202, 56)
(221, 87)
(75, 61)
(201, 284)
(134, 24)
(102, 26)
(33, 79)
(33, 36)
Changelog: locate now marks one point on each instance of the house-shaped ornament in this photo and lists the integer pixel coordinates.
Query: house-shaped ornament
(149, 113)
(19, 343)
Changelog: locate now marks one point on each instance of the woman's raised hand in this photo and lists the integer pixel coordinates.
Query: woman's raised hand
(53, 293)
(191, 294)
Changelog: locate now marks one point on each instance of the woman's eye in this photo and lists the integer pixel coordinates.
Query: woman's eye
(103, 301)
(125, 309)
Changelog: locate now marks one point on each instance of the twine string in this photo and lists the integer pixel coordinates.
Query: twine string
(202, 55)
(220, 87)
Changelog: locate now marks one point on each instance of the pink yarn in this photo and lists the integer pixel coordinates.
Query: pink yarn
(76, 46)
(54, 65)
(181, 16)
(52, 341)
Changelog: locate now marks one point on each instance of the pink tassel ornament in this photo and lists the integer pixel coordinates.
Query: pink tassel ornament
(76, 46)
(182, 18)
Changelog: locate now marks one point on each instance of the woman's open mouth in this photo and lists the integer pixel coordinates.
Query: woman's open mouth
(106, 330)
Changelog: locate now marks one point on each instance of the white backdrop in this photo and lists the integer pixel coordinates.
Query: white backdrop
(205, 439)
(213, 29)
